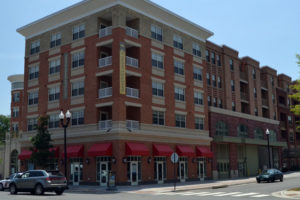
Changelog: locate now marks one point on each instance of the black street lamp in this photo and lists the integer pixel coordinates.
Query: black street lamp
(268, 134)
(62, 117)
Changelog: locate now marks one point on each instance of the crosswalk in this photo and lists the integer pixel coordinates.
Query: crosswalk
(215, 194)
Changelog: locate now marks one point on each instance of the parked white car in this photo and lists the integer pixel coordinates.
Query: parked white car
(4, 184)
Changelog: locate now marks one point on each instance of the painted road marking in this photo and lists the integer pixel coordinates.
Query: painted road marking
(261, 195)
(227, 194)
(245, 194)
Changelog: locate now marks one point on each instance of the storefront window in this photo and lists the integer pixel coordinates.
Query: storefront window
(221, 128)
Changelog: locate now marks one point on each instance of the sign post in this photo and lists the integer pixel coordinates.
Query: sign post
(174, 159)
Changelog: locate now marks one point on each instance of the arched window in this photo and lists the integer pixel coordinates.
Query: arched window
(273, 135)
(242, 130)
(221, 128)
(14, 162)
(258, 133)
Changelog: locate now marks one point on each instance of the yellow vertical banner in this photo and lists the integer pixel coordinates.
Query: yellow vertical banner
(122, 69)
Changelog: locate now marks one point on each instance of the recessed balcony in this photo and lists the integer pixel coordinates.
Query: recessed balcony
(104, 62)
(132, 32)
(105, 92)
(105, 124)
(133, 62)
(132, 92)
(103, 32)
(132, 124)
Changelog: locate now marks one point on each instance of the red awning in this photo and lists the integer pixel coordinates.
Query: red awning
(204, 152)
(75, 151)
(25, 154)
(55, 150)
(104, 149)
(185, 151)
(162, 150)
(136, 149)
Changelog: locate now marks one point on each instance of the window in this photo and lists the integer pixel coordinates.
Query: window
(77, 118)
(54, 66)
(255, 93)
(177, 42)
(179, 94)
(214, 80)
(53, 93)
(219, 82)
(156, 33)
(157, 89)
(272, 81)
(274, 116)
(273, 135)
(256, 111)
(33, 72)
(232, 85)
(233, 106)
(157, 61)
(199, 123)
(215, 102)
(207, 56)
(178, 67)
(158, 117)
(221, 128)
(220, 103)
(291, 137)
(77, 88)
(208, 78)
(209, 100)
(31, 124)
(258, 133)
(196, 50)
(53, 121)
(231, 64)
(15, 112)
(15, 128)
(197, 73)
(254, 73)
(16, 97)
(242, 130)
(35, 47)
(180, 121)
(33, 98)
(290, 120)
(78, 31)
(55, 40)
(198, 98)
(78, 59)
(218, 60)
(273, 98)
(213, 60)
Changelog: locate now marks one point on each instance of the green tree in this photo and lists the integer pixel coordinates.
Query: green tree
(4, 127)
(41, 144)
(296, 95)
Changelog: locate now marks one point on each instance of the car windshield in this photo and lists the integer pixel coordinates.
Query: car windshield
(12, 176)
(269, 171)
(55, 173)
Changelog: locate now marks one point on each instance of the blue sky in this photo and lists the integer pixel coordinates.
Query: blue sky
(266, 30)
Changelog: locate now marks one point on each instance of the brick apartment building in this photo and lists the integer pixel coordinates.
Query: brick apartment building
(141, 83)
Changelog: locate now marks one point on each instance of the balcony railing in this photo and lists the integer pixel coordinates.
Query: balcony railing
(265, 102)
(105, 31)
(244, 76)
(105, 92)
(244, 96)
(264, 84)
(105, 124)
(132, 92)
(103, 62)
(132, 32)
(132, 125)
(282, 125)
(133, 62)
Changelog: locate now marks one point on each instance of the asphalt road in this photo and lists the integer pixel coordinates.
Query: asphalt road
(246, 191)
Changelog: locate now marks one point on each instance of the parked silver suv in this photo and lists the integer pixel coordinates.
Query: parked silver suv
(38, 182)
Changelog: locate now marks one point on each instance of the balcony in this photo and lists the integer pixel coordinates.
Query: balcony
(103, 62)
(132, 125)
(105, 92)
(105, 124)
(105, 32)
(282, 125)
(133, 62)
(132, 92)
(244, 76)
(244, 96)
(264, 84)
(264, 102)
(132, 32)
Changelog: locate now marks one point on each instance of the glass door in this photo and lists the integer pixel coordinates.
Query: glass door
(134, 173)
(75, 171)
(103, 173)
(201, 170)
(160, 172)
(182, 171)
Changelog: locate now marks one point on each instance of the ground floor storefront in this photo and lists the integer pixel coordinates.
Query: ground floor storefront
(131, 162)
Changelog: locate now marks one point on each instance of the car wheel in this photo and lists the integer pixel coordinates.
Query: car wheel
(13, 189)
(258, 181)
(273, 179)
(59, 192)
(39, 190)
(1, 187)
(281, 179)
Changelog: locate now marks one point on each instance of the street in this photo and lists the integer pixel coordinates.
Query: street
(245, 191)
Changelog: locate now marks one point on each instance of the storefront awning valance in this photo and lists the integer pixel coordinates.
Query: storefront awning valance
(104, 149)
(25, 154)
(185, 151)
(204, 152)
(162, 150)
(136, 149)
(75, 151)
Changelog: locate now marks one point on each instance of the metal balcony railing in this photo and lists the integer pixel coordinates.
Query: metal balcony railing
(105, 31)
(132, 92)
(264, 102)
(105, 124)
(133, 62)
(132, 125)
(103, 62)
(264, 84)
(105, 92)
(132, 32)
(244, 96)
(244, 76)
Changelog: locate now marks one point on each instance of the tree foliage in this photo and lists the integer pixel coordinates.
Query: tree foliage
(296, 95)
(41, 144)
(4, 127)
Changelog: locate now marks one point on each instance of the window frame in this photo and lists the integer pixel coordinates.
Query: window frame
(179, 94)
(155, 32)
(55, 39)
(158, 117)
(78, 31)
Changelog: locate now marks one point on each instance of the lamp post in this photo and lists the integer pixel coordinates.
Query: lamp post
(268, 134)
(65, 125)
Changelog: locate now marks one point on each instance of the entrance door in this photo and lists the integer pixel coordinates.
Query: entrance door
(182, 171)
(103, 173)
(134, 173)
(75, 170)
(160, 172)
(201, 170)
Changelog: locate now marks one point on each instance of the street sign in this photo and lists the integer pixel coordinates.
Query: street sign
(174, 157)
